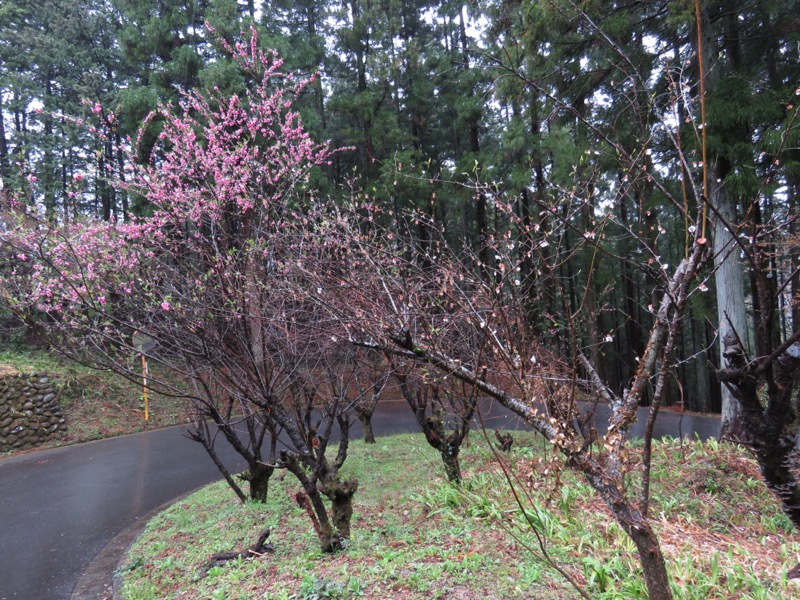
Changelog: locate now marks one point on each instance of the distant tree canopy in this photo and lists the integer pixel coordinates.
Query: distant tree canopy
(570, 110)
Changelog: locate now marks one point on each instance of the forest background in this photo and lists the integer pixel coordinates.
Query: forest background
(570, 113)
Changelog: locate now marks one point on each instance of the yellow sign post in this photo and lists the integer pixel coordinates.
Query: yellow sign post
(144, 387)
(143, 343)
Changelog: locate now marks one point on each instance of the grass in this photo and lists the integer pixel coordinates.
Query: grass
(415, 536)
(95, 404)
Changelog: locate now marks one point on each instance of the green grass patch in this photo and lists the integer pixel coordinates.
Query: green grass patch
(416, 536)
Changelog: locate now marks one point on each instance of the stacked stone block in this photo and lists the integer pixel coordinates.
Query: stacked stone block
(29, 411)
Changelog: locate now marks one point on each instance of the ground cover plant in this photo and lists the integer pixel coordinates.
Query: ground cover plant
(417, 538)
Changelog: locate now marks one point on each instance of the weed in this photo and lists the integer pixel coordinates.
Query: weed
(531, 573)
(597, 575)
(355, 587)
(215, 572)
(319, 588)
(136, 562)
(141, 591)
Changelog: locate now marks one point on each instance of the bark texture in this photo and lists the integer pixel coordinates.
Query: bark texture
(770, 426)
(729, 281)
(366, 425)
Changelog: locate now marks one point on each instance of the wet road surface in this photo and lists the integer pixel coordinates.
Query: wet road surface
(60, 507)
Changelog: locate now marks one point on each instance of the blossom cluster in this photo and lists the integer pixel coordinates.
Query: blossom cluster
(222, 180)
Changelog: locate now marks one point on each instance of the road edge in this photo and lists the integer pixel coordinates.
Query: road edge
(101, 578)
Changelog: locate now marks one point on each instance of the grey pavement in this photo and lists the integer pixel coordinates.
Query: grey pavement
(60, 507)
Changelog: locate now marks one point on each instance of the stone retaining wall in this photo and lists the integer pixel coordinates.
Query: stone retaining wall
(29, 411)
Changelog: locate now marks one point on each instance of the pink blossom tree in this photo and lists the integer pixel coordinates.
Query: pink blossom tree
(207, 275)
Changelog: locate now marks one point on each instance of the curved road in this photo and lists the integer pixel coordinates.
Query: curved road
(61, 507)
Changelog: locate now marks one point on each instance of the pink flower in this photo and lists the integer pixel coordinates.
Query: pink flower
(165, 306)
(101, 300)
(78, 177)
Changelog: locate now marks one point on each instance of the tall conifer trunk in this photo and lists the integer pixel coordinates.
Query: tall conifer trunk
(729, 273)
(729, 280)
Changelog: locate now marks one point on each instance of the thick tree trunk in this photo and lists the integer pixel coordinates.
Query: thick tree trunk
(5, 163)
(340, 493)
(328, 538)
(702, 396)
(728, 274)
(366, 425)
(794, 231)
(774, 460)
(312, 503)
(771, 431)
(258, 477)
(729, 280)
(310, 499)
(452, 466)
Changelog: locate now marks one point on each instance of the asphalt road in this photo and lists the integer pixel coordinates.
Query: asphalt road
(60, 508)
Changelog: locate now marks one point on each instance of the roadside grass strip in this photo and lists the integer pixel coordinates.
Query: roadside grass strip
(416, 536)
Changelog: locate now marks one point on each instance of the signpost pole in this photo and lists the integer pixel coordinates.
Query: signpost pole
(144, 387)
(143, 344)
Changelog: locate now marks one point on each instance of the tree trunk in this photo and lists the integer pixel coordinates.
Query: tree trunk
(637, 526)
(702, 374)
(770, 431)
(366, 425)
(310, 499)
(5, 164)
(258, 477)
(633, 522)
(452, 467)
(774, 460)
(794, 231)
(729, 279)
(340, 493)
(654, 568)
(728, 274)
(421, 396)
(312, 503)
(328, 538)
